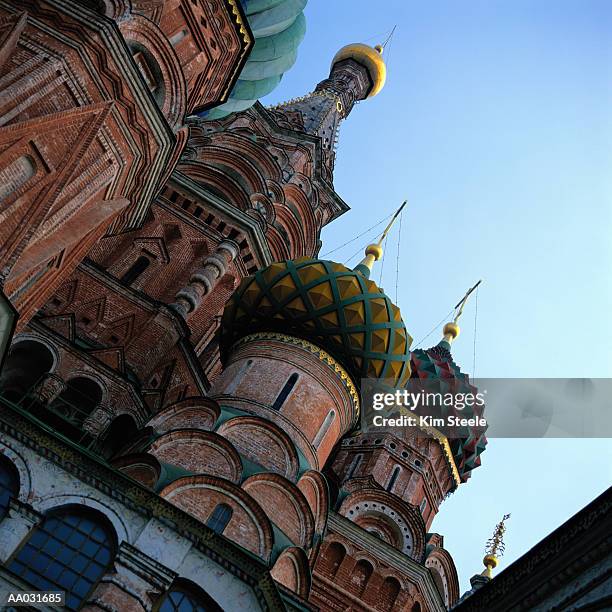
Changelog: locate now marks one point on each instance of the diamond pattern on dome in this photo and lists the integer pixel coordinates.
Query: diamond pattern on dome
(334, 307)
(354, 313)
(437, 363)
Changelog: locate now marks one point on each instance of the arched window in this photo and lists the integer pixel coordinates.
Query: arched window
(135, 270)
(393, 479)
(324, 427)
(25, 367)
(9, 484)
(219, 518)
(69, 551)
(74, 404)
(335, 555)
(184, 596)
(121, 432)
(285, 391)
(416, 607)
(361, 574)
(240, 374)
(355, 463)
(388, 593)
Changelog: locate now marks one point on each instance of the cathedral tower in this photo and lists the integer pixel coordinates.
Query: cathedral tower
(199, 377)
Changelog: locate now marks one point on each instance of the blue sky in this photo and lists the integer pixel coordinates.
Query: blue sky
(496, 125)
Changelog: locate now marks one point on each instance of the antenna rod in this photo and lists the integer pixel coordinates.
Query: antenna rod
(389, 37)
(462, 302)
(395, 216)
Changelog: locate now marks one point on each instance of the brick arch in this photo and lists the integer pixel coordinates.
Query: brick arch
(142, 467)
(389, 593)
(302, 198)
(219, 182)
(190, 413)
(25, 337)
(199, 495)
(199, 452)
(115, 9)
(441, 563)
(295, 228)
(242, 146)
(262, 442)
(120, 525)
(314, 487)
(278, 195)
(292, 570)
(278, 245)
(284, 504)
(145, 33)
(373, 506)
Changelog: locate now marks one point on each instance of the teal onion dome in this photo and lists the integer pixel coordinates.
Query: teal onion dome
(278, 27)
(329, 305)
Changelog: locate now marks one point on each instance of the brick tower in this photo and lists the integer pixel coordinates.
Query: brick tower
(92, 121)
(190, 391)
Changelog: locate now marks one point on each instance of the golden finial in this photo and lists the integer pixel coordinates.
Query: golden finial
(495, 547)
(451, 330)
(374, 252)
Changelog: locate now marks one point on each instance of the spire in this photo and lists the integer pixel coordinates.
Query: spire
(451, 329)
(495, 547)
(357, 72)
(374, 252)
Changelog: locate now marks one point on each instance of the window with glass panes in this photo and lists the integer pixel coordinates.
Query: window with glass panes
(184, 598)
(69, 551)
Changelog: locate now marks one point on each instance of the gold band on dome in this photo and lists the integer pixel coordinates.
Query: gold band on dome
(443, 441)
(369, 57)
(315, 350)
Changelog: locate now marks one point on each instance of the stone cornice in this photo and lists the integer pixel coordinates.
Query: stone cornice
(93, 471)
(158, 575)
(248, 224)
(417, 573)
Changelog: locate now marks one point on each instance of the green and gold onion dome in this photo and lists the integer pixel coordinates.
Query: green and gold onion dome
(338, 309)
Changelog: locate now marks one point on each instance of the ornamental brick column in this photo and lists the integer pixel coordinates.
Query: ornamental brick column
(50, 388)
(98, 421)
(204, 279)
(135, 583)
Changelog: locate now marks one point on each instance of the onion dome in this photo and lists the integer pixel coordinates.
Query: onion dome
(336, 308)
(437, 364)
(278, 27)
(369, 57)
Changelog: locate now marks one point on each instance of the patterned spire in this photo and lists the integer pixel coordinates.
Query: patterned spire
(357, 72)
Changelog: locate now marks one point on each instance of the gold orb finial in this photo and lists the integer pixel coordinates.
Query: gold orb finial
(369, 57)
(451, 331)
(375, 250)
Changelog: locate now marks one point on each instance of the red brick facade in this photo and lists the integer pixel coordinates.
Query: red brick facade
(139, 259)
(93, 102)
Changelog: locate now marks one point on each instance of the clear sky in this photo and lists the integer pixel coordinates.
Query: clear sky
(496, 125)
